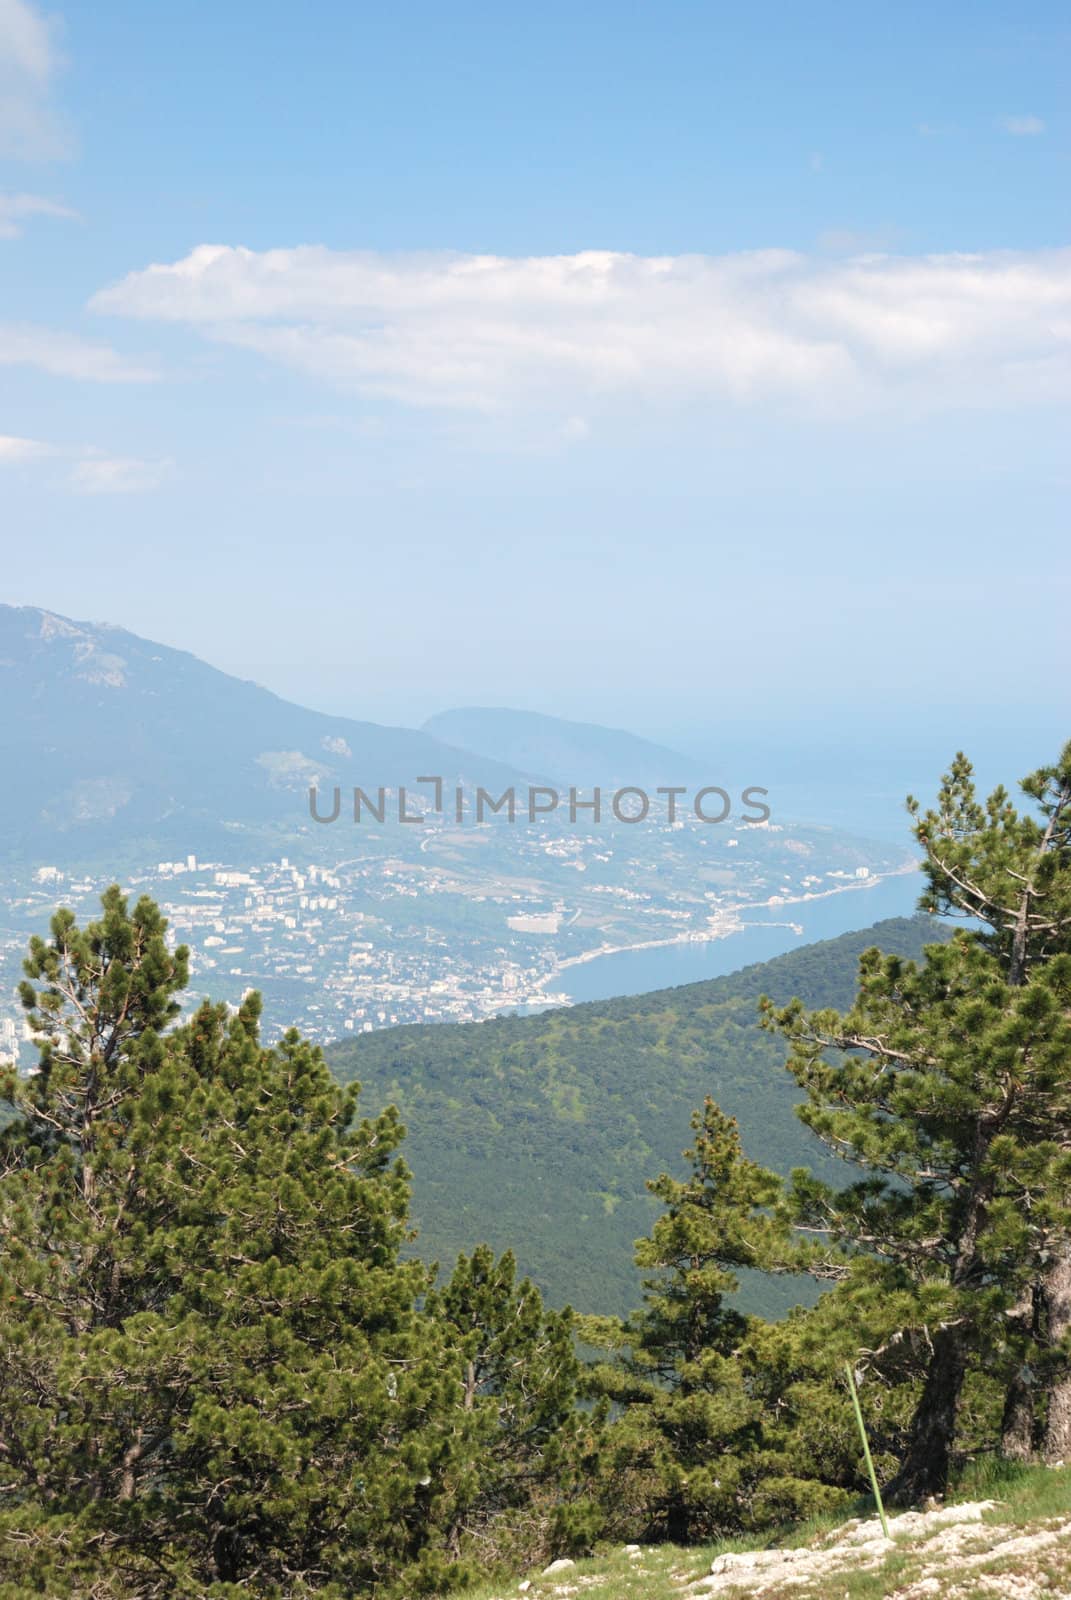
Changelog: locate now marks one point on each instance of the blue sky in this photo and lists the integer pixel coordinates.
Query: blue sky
(650, 364)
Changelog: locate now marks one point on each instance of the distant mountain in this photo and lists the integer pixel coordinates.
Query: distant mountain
(112, 744)
(570, 753)
(538, 1133)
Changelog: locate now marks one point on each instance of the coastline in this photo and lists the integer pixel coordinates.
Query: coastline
(725, 923)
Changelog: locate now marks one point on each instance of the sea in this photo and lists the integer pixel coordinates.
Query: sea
(766, 933)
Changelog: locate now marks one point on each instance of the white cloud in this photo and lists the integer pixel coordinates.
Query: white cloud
(30, 127)
(500, 334)
(65, 355)
(100, 474)
(1021, 127)
(88, 471)
(16, 208)
(14, 450)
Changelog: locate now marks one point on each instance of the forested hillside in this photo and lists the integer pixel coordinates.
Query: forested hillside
(538, 1133)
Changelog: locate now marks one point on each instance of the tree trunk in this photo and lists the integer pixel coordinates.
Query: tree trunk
(1017, 1423)
(1018, 1428)
(924, 1469)
(678, 1528)
(131, 1458)
(1056, 1444)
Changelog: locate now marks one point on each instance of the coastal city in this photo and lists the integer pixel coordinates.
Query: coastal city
(460, 925)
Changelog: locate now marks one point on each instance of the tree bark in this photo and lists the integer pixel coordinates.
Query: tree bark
(1017, 1423)
(1056, 1443)
(1018, 1428)
(131, 1458)
(925, 1467)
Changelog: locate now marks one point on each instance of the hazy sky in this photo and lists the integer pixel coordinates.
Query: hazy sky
(634, 362)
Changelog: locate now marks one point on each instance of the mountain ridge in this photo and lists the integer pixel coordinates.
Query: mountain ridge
(122, 742)
(572, 753)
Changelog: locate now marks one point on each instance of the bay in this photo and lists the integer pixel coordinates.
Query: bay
(766, 933)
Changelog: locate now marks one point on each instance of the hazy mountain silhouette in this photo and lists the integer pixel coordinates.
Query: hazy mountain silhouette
(571, 753)
(111, 742)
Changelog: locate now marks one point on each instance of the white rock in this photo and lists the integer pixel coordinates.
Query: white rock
(753, 1560)
(561, 1565)
(947, 1534)
(525, 1585)
(917, 1522)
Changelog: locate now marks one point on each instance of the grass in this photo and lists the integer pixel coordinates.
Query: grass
(1033, 1502)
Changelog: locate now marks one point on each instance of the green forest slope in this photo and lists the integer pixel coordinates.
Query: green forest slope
(538, 1133)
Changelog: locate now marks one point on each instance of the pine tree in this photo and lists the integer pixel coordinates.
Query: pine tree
(106, 993)
(1012, 873)
(687, 1459)
(529, 1452)
(950, 1087)
(69, 1169)
(308, 1432)
(214, 1367)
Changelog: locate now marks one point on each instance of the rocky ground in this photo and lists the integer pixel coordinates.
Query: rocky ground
(958, 1551)
(1016, 1547)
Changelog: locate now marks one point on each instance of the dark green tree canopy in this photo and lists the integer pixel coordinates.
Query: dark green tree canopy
(217, 1373)
(949, 1084)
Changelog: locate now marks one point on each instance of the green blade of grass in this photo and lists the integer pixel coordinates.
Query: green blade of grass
(866, 1448)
